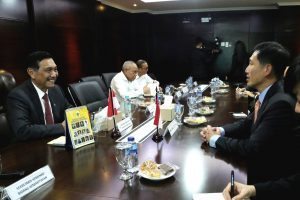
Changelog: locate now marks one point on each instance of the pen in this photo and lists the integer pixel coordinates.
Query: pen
(232, 184)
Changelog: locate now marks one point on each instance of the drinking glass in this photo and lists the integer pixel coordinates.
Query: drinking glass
(179, 109)
(122, 151)
(192, 104)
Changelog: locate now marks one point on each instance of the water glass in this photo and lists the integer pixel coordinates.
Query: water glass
(122, 153)
(192, 104)
(179, 109)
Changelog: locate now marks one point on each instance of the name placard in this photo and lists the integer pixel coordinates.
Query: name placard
(124, 124)
(151, 108)
(29, 183)
(78, 130)
(185, 89)
(172, 127)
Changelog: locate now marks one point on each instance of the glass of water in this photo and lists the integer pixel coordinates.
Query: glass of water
(122, 152)
(179, 109)
(192, 104)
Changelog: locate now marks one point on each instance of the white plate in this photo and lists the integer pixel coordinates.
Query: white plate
(162, 177)
(199, 112)
(187, 120)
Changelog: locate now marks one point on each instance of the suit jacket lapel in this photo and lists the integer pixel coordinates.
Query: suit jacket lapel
(275, 88)
(36, 102)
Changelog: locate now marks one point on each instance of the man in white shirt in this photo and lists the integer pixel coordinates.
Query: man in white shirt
(144, 79)
(125, 84)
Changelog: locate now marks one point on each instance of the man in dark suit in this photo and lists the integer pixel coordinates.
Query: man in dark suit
(286, 187)
(35, 108)
(260, 136)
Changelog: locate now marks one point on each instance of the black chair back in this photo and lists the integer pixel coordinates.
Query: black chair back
(5, 131)
(99, 80)
(7, 83)
(88, 93)
(107, 77)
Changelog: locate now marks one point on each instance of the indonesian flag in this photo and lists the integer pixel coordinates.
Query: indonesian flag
(157, 120)
(113, 104)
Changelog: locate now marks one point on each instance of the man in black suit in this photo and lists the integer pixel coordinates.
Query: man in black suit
(30, 113)
(284, 188)
(260, 137)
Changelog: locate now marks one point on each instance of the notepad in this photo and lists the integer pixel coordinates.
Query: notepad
(208, 196)
(61, 141)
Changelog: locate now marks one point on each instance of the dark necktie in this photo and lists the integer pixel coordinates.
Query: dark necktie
(256, 108)
(48, 114)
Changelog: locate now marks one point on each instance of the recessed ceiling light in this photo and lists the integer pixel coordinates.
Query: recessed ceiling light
(153, 1)
(134, 5)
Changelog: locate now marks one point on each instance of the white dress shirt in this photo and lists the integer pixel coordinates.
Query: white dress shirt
(123, 87)
(147, 80)
(41, 94)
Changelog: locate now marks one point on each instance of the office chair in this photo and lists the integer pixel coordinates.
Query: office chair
(88, 93)
(7, 83)
(5, 133)
(107, 77)
(99, 80)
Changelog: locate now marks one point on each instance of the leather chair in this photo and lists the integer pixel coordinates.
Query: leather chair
(7, 83)
(99, 80)
(5, 133)
(88, 93)
(107, 77)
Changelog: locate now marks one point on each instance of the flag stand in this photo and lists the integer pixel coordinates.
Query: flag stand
(156, 136)
(115, 134)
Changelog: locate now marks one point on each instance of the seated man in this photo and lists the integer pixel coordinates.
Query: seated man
(259, 137)
(125, 84)
(144, 79)
(35, 109)
(286, 187)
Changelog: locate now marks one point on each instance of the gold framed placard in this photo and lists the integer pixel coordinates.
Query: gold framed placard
(78, 128)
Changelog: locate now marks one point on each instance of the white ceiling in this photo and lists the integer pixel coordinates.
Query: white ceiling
(181, 6)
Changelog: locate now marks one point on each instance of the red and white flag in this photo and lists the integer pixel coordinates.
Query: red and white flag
(113, 104)
(157, 119)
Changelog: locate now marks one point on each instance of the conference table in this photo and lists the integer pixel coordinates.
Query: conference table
(92, 172)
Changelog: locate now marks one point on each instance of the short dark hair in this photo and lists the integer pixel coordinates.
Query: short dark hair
(275, 54)
(34, 58)
(140, 62)
(292, 77)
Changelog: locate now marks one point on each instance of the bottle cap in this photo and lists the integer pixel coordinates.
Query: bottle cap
(130, 139)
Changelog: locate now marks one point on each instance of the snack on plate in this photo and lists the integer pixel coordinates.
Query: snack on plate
(207, 99)
(150, 168)
(224, 85)
(195, 120)
(205, 110)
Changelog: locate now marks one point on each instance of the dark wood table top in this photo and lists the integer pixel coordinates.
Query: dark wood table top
(92, 172)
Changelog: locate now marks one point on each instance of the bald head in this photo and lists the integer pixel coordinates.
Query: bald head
(130, 70)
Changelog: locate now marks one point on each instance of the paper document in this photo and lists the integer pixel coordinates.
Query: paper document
(208, 196)
(61, 141)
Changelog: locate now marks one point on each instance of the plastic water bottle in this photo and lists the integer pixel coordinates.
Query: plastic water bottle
(127, 106)
(133, 162)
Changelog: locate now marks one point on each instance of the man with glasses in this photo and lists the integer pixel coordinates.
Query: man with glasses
(35, 108)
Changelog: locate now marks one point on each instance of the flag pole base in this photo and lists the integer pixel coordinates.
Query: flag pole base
(157, 137)
(115, 134)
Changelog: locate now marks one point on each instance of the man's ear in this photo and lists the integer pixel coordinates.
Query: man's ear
(30, 72)
(268, 69)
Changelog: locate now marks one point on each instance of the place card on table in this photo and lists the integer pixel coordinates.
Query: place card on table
(124, 124)
(29, 183)
(78, 127)
(172, 127)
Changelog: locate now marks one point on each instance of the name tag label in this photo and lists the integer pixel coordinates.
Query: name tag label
(185, 89)
(172, 127)
(29, 183)
(124, 124)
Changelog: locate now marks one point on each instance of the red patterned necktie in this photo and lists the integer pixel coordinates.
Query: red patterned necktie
(256, 108)
(48, 114)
